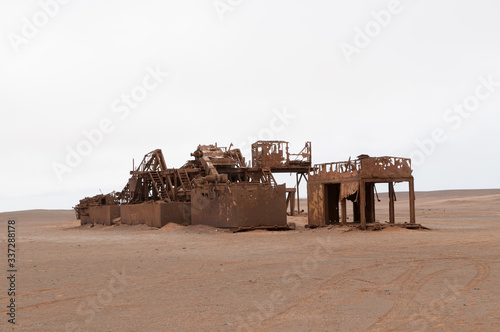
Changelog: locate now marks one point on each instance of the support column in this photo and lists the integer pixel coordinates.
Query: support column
(412, 201)
(392, 218)
(298, 197)
(344, 211)
(290, 200)
(362, 204)
(373, 201)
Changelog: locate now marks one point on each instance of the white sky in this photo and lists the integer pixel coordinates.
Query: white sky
(227, 78)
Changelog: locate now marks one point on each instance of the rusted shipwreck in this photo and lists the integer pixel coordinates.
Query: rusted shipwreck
(216, 188)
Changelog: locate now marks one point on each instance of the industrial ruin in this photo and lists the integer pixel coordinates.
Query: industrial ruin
(218, 188)
(354, 180)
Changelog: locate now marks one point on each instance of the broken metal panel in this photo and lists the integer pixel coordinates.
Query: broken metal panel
(315, 205)
(132, 183)
(240, 206)
(348, 188)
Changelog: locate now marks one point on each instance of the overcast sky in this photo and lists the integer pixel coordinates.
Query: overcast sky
(86, 86)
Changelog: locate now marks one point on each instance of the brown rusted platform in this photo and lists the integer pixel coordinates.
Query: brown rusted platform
(336, 183)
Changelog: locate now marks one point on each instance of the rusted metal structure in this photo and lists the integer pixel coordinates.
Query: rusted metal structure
(276, 157)
(215, 188)
(354, 180)
(218, 188)
(98, 209)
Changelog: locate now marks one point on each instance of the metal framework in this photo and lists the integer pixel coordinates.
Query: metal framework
(275, 156)
(209, 183)
(355, 180)
(218, 188)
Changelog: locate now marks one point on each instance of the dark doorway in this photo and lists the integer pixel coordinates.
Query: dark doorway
(370, 201)
(332, 193)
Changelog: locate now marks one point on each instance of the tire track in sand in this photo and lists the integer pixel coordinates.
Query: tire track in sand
(396, 317)
(324, 289)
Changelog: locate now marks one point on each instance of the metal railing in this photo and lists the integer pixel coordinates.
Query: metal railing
(375, 163)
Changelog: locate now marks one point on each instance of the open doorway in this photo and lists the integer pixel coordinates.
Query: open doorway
(332, 194)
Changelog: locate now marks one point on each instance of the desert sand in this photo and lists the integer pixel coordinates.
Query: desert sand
(197, 278)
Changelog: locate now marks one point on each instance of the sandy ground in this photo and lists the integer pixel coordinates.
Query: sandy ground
(197, 278)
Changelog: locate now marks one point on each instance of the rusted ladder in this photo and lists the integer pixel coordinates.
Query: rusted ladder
(184, 179)
(268, 176)
(159, 186)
